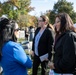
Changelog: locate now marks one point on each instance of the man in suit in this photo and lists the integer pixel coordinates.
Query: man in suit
(42, 45)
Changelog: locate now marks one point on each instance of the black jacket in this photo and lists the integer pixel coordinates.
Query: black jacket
(45, 42)
(64, 58)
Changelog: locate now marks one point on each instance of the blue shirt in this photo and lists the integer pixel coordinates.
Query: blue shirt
(37, 38)
(14, 60)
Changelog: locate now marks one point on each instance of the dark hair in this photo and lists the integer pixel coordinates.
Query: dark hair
(66, 22)
(7, 28)
(31, 27)
(45, 19)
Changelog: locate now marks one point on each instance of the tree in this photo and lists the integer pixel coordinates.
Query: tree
(16, 7)
(51, 14)
(62, 6)
(22, 5)
(17, 10)
(8, 10)
(0, 9)
(33, 21)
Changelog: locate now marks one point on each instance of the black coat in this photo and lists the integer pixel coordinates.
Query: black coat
(45, 42)
(64, 58)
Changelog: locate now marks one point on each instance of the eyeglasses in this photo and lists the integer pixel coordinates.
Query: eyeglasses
(17, 29)
(40, 20)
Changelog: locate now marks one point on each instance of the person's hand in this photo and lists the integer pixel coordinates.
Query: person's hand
(46, 59)
(32, 53)
(51, 65)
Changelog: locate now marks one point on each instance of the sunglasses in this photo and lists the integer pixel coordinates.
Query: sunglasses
(17, 29)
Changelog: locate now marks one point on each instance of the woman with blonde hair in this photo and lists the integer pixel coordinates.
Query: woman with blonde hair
(42, 45)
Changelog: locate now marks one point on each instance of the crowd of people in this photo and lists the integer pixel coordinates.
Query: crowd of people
(53, 46)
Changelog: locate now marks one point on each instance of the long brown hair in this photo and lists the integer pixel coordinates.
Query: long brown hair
(66, 22)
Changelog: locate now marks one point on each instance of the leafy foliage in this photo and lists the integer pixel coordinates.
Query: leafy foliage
(17, 10)
(62, 6)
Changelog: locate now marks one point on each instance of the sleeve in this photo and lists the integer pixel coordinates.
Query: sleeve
(50, 42)
(68, 56)
(21, 57)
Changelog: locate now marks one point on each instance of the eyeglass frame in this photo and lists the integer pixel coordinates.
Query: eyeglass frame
(40, 21)
(17, 29)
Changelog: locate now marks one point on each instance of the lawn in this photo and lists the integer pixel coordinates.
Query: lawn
(39, 71)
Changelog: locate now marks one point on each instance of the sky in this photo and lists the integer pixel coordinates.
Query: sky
(41, 6)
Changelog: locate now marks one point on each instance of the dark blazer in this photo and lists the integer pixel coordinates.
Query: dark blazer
(45, 42)
(64, 58)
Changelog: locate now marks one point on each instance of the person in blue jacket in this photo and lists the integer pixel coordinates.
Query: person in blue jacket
(13, 59)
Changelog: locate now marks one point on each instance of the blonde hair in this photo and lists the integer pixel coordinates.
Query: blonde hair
(45, 18)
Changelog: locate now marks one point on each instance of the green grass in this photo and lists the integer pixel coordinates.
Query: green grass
(39, 71)
(30, 71)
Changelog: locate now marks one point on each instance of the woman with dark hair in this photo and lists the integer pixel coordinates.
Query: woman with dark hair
(13, 59)
(64, 46)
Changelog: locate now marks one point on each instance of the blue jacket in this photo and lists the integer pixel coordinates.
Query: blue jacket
(14, 60)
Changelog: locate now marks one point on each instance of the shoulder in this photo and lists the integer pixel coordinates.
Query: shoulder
(38, 28)
(49, 30)
(71, 34)
(16, 47)
(13, 44)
